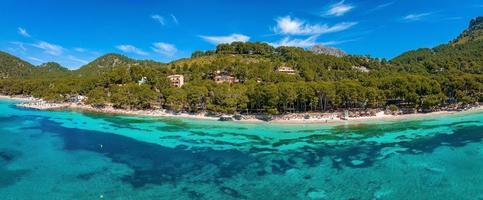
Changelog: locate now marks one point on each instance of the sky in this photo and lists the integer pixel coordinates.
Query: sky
(75, 32)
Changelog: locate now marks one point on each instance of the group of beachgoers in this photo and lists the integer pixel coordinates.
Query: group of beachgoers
(42, 105)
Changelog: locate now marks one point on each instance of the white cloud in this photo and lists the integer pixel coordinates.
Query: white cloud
(175, 20)
(226, 39)
(307, 42)
(75, 59)
(336, 42)
(131, 49)
(292, 26)
(164, 49)
(330, 43)
(384, 5)
(380, 6)
(78, 49)
(49, 48)
(416, 17)
(23, 32)
(287, 41)
(158, 18)
(20, 46)
(339, 9)
(165, 20)
(36, 59)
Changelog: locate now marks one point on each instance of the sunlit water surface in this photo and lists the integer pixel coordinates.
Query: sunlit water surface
(75, 155)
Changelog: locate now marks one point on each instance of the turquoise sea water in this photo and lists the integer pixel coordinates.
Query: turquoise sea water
(75, 155)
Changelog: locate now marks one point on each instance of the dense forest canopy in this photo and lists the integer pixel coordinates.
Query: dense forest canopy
(12, 67)
(421, 79)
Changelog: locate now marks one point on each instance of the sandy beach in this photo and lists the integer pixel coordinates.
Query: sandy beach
(378, 117)
(316, 118)
(18, 98)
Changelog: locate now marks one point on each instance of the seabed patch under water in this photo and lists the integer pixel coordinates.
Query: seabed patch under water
(70, 155)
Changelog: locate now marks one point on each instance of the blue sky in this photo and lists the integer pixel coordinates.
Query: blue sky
(76, 32)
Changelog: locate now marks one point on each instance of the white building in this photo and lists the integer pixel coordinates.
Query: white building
(286, 70)
(142, 81)
(177, 80)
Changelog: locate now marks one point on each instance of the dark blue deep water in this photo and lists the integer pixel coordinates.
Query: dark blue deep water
(74, 155)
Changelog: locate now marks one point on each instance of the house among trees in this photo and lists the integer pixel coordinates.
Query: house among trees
(224, 77)
(142, 81)
(76, 98)
(177, 80)
(361, 69)
(286, 70)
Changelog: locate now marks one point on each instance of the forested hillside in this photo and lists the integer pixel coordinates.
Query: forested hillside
(11, 66)
(464, 54)
(265, 79)
(473, 33)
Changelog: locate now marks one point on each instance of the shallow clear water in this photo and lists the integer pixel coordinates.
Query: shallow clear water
(74, 155)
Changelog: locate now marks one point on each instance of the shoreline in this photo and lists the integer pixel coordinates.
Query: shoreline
(18, 98)
(289, 119)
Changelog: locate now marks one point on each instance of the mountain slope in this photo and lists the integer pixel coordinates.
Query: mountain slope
(473, 33)
(11, 66)
(50, 69)
(112, 61)
(464, 53)
(331, 51)
(103, 64)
